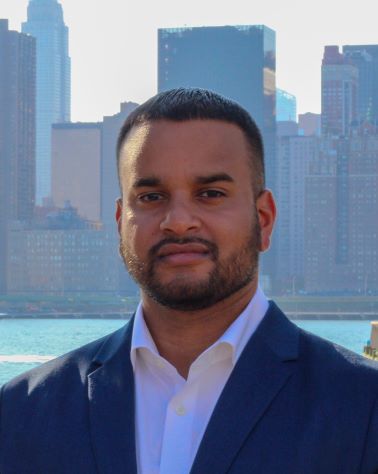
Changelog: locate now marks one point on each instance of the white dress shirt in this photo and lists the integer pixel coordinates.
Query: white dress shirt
(172, 413)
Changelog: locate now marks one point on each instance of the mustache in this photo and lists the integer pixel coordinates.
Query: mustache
(212, 248)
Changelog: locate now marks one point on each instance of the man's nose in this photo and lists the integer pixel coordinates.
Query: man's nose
(180, 218)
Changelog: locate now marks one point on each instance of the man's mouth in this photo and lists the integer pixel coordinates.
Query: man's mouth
(183, 254)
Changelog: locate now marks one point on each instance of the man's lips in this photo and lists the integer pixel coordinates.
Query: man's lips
(172, 249)
(183, 253)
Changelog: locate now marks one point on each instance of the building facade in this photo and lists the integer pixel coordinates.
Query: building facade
(76, 167)
(339, 93)
(295, 155)
(309, 124)
(17, 134)
(45, 23)
(60, 254)
(341, 229)
(365, 59)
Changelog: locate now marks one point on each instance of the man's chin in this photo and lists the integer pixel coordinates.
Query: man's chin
(182, 294)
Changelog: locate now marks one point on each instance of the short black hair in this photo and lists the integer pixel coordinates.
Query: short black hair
(199, 104)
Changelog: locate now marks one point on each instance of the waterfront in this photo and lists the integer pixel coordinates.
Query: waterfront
(25, 343)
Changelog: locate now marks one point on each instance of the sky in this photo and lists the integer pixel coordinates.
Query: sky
(113, 43)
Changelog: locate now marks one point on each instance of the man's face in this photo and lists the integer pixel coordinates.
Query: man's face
(189, 226)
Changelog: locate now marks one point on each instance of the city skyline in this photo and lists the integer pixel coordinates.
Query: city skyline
(100, 81)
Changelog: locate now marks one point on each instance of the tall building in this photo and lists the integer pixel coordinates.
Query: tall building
(238, 62)
(76, 167)
(45, 22)
(339, 92)
(17, 134)
(295, 155)
(286, 106)
(365, 59)
(341, 228)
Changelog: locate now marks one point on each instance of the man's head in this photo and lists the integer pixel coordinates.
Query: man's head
(190, 221)
(180, 105)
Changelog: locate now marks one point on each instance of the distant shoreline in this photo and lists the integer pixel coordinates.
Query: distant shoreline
(125, 316)
(306, 316)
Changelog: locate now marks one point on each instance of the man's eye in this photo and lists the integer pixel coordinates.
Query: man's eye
(212, 193)
(150, 197)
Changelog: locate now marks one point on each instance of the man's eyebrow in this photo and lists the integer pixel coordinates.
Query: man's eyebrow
(152, 181)
(146, 182)
(213, 178)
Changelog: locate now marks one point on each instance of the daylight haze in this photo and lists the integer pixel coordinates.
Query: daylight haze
(113, 45)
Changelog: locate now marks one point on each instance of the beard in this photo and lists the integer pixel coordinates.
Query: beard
(228, 276)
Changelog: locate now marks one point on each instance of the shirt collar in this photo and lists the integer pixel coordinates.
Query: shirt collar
(240, 331)
(141, 337)
(236, 336)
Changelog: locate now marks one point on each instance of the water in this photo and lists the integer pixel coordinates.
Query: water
(25, 343)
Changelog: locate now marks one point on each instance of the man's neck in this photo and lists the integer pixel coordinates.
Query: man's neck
(181, 336)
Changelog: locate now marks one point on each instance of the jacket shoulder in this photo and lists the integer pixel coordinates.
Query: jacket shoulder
(337, 364)
(73, 366)
(317, 357)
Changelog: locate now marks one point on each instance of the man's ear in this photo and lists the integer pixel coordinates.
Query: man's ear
(266, 211)
(118, 213)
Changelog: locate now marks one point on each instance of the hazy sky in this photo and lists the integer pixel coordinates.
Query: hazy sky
(113, 43)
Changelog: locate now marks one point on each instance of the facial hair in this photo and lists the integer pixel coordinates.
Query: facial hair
(228, 276)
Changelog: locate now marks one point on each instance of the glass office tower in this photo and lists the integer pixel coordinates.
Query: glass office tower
(365, 58)
(45, 22)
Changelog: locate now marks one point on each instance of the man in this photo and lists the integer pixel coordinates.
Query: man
(208, 377)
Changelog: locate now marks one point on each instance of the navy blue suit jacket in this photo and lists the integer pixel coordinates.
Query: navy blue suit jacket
(294, 404)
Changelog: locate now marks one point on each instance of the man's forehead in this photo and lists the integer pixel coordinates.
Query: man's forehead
(213, 132)
(136, 138)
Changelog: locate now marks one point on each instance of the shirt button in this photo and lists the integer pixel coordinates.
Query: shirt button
(180, 410)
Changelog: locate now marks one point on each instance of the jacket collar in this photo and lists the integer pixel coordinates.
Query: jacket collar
(111, 404)
(262, 370)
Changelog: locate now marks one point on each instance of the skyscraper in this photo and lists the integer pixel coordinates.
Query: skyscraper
(45, 22)
(365, 59)
(239, 62)
(295, 155)
(339, 92)
(17, 134)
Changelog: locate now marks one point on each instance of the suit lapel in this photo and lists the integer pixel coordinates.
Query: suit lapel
(111, 405)
(260, 373)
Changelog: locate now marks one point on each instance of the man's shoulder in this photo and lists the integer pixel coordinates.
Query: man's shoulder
(335, 365)
(328, 360)
(68, 370)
